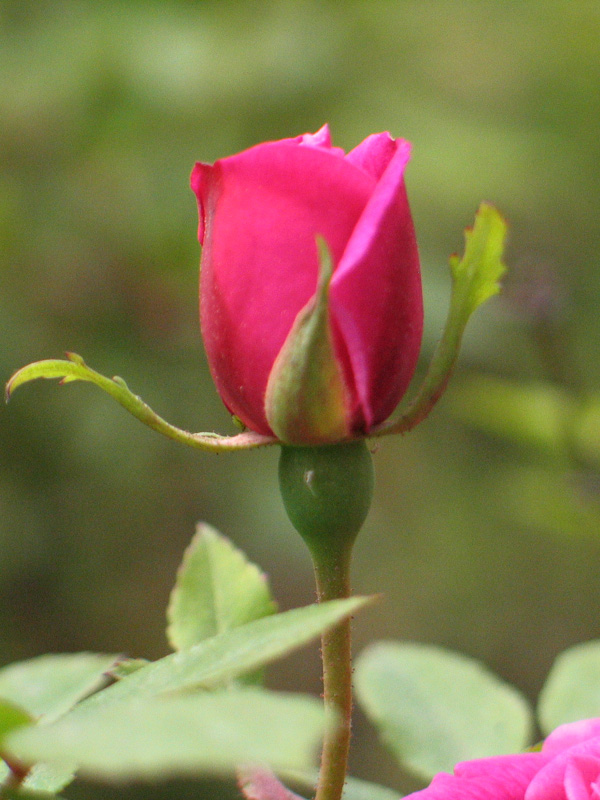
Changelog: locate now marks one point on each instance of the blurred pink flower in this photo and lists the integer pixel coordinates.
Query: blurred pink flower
(566, 768)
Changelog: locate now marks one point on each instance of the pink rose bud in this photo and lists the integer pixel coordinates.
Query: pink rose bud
(310, 289)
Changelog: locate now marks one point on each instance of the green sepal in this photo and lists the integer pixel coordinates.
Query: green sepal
(75, 369)
(305, 401)
(475, 278)
(476, 275)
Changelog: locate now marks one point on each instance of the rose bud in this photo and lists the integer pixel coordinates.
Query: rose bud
(310, 290)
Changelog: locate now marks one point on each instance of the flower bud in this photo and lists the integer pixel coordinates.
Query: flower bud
(339, 349)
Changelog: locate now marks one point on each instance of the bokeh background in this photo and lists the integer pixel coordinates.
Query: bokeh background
(485, 531)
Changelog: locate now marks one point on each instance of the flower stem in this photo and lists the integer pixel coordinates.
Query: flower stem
(327, 492)
(333, 582)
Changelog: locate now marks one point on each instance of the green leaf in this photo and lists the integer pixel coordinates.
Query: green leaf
(475, 278)
(217, 661)
(42, 778)
(11, 717)
(217, 590)
(19, 793)
(199, 734)
(572, 689)
(533, 415)
(75, 369)
(541, 499)
(50, 685)
(434, 708)
(356, 789)
(125, 666)
(47, 687)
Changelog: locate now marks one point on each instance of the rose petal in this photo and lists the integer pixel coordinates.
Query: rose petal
(322, 138)
(263, 209)
(374, 154)
(570, 734)
(498, 778)
(200, 183)
(379, 332)
(580, 773)
(549, 783)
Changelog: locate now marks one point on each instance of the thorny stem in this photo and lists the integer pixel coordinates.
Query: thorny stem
(333, 582)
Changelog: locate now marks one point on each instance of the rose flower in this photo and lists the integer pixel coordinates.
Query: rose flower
(566, 768)
(309, 356)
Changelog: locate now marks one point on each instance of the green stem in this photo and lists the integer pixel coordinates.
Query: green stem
(327, 492)
(333, 581)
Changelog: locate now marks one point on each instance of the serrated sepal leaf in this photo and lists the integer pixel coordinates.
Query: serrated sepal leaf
(75, 369)
(475, 278)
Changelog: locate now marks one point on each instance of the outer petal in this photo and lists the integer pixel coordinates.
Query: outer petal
(379, 332)
(200, 173)
(322, 138)
(498, 778)
(200, 182)
(262, 211)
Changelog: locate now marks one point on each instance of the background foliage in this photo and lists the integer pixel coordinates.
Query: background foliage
(484, 531)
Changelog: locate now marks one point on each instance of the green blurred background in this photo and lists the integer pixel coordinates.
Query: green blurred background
(485, 530)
